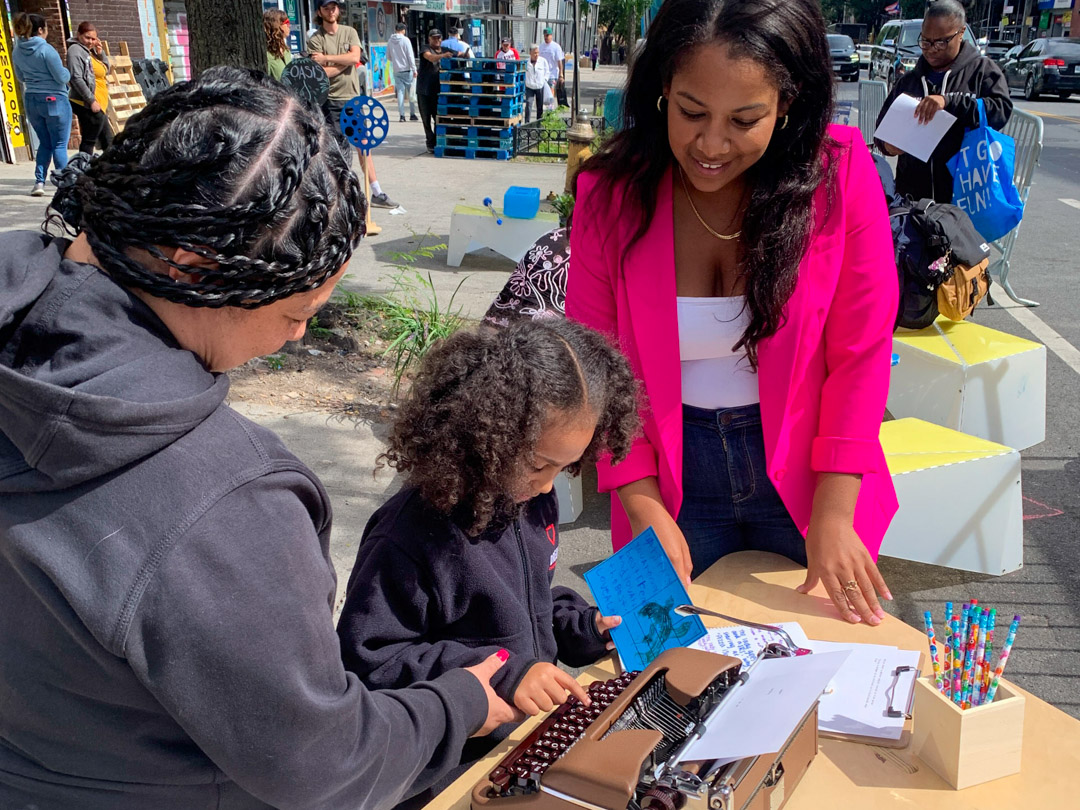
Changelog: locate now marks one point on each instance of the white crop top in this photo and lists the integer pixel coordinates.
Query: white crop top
(713, 376)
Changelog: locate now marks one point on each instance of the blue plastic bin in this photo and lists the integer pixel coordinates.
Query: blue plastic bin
(521, 202)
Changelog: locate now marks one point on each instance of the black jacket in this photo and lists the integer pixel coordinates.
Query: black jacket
(971, 76)
(166, 590)
(425, 598)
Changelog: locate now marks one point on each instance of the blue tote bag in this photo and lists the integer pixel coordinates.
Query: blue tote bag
(983, 180)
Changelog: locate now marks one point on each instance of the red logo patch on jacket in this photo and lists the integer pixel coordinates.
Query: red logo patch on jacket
(554, 539)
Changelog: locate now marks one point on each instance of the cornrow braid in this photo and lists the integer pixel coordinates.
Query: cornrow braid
(232, 167)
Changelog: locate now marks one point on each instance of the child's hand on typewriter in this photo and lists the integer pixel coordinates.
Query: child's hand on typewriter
(604, 626)
(545, 686)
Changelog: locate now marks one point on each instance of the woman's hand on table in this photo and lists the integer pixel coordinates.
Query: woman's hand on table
(499, 711)
(836, 556)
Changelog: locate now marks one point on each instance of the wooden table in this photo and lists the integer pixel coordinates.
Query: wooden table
(759, 587)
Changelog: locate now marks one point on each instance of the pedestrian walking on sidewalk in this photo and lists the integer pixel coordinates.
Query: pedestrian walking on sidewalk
(536, 81)
(276, 27)
(427, 83)
(89, 93)
(337, 48)
(399, 51)
(45, 91)
(166, 587)
(594, 56)
(552, 52)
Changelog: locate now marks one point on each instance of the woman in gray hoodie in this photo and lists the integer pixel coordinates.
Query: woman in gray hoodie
(89, 65)
(44, 78)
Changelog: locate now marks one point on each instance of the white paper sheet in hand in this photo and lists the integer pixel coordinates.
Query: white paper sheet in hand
(764, 711)
(902, 129)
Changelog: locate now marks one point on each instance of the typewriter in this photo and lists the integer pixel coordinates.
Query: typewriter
(623, 751)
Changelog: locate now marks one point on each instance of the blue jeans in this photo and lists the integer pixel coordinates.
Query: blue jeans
(405, 91)
(51, 121)
(729, 504)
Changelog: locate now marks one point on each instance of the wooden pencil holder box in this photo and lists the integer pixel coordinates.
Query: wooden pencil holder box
(970, 746)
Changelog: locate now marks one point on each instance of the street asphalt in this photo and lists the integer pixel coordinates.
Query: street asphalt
(1046, 591)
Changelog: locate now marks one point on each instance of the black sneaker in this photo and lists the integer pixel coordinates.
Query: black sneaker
(401, 120)
(412, 118)
(382, 201)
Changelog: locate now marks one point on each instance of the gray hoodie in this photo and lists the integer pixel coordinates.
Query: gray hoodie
(166, 590)
(38, 67)
(81, 65)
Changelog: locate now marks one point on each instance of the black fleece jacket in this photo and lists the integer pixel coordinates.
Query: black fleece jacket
(971, 76)
(425, 598)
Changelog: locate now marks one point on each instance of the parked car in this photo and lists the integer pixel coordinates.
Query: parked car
(896, 49)
(1050, 65)
(997, 48)
(865, 51)
(845, 60)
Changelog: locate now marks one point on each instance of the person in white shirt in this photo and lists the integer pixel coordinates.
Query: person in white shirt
(537, 73)
(556, 59)
(400, 53)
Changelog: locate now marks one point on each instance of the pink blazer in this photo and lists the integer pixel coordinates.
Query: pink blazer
(823, 377)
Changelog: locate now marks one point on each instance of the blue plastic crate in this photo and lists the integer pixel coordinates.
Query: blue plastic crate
(474, 132)
(475, 141)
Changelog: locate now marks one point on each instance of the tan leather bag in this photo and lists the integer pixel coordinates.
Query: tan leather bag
(958, 297)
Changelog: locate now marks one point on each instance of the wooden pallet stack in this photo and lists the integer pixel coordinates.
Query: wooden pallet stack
(480, 103)
(125, 96)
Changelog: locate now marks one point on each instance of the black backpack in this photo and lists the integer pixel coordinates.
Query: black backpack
(930, 239)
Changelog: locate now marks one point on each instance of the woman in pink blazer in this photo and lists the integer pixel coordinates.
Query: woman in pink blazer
(738, 247)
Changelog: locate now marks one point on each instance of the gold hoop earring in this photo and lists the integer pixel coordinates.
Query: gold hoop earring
(784, 125)
(658, 100)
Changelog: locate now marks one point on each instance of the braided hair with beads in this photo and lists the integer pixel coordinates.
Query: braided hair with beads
(232, 167)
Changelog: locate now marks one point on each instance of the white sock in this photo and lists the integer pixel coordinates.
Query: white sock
(375, 187)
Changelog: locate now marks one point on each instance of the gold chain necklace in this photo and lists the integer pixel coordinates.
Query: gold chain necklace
(726, 237)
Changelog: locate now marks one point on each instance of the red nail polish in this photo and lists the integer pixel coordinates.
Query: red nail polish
(502, 655)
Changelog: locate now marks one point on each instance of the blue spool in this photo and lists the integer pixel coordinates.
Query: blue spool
(364, 123)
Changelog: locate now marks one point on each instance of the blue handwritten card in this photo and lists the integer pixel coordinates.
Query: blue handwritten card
(639, 583)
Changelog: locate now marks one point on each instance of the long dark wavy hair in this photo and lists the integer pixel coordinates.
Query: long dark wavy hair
(232, 167)
(481, 399)
(785, 37)
(275, 37)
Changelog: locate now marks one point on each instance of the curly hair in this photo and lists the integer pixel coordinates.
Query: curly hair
(232, 167)
(481, 399)
(785, 37)
(275, 37)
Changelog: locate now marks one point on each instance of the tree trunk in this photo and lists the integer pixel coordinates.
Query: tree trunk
(225, 32)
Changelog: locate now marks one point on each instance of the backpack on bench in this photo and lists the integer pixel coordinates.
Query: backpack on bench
(941, 262)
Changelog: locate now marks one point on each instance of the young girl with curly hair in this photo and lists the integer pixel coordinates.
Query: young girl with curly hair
(458, 565)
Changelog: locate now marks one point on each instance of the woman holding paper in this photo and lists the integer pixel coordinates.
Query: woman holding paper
(950, 76)
(738, 246)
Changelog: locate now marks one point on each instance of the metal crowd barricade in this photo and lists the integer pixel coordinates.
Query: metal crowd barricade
(871, 99)
(1027, 131)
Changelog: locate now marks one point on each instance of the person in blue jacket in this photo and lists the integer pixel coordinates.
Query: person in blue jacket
(45, 90)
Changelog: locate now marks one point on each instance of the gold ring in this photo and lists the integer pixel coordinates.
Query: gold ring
(852, 585)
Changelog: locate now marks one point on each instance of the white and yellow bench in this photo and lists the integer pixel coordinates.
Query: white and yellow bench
(971, 378)
(960, 499)
(474, 228)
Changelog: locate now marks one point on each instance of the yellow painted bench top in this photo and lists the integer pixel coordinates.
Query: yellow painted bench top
(543, 216)
(964, 342)
(912, 444)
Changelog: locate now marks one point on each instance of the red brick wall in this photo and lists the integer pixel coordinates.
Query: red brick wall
(115, 20)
